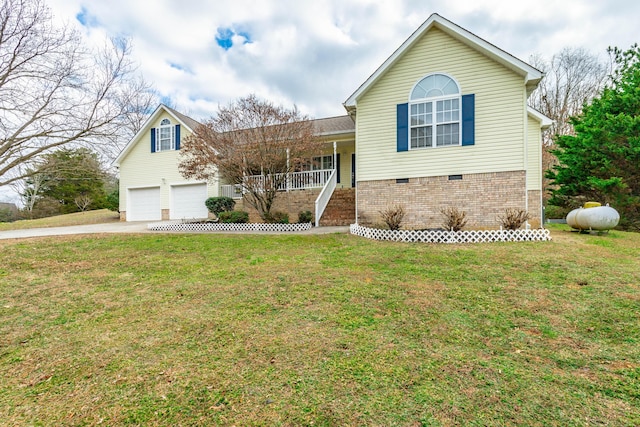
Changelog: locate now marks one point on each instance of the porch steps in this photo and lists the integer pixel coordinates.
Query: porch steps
(341, 209)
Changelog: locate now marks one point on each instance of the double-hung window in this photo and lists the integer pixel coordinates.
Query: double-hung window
(434, 112)
(165, 138)
(318, 163)
(322, 162)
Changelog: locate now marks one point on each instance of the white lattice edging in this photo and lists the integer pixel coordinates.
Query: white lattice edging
(443, 236)
(218, 226)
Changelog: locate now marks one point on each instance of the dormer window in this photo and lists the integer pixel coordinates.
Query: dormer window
(434, 112)
(165, 136)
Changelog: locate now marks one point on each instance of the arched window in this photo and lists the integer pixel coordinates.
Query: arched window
(434, 112)
(165, 136)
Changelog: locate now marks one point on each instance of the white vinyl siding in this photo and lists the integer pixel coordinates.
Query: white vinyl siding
(534, 155)
(499, 114)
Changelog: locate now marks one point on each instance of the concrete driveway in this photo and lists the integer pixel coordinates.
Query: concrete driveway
(135, 227)
(111, 227)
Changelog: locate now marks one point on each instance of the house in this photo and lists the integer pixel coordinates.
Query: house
(442, 122)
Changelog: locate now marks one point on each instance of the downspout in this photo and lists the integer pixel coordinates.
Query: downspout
(355, 150)
(526, 153)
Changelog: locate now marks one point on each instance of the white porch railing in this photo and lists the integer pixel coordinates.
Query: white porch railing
(323, 198)
(294, 181)
(297, 180)
(309, 179)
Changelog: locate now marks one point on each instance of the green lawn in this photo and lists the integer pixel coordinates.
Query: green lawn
(327, 330)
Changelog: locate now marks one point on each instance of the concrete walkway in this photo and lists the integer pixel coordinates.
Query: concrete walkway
(136, 227)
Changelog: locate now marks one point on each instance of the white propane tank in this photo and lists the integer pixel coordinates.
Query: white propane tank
(593, 217)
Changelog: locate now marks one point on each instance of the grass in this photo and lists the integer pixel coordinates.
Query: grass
(79, 218)
(201, 329)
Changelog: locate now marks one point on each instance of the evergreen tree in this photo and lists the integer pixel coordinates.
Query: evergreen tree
(602, 161)
(73, 179)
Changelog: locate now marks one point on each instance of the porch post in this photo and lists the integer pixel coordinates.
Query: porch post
(334, 154)
(288, 176)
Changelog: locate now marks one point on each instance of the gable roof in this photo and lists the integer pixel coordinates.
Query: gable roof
(186, 121)
(531, 74)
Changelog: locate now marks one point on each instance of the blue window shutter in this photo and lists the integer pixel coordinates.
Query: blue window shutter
(177, 137)
(153, 140)
(338, 168)
(468, 119)
(402, 124)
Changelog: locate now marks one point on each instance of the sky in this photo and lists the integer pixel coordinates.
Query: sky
(200, 54)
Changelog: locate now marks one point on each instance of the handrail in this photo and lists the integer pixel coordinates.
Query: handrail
(325, 195)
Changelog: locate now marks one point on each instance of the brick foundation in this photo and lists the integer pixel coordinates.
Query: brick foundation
(535, 208)
(123, 216)
(291, 202)
(483, 197)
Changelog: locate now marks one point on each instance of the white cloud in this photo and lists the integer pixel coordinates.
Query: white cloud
(316, 53)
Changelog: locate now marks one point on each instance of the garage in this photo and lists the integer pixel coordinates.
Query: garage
(143, 204)
(187, 201)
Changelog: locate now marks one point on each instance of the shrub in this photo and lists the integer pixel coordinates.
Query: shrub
(304, 217)
(277, 217)
(240, 217)
(393, 216)
(453, 218)
(112, 201)
(513, 218)
(8, 215)
(216, 205)
(555, 212)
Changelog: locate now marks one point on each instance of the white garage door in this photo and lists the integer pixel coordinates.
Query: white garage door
(187, 201)
(143, 204)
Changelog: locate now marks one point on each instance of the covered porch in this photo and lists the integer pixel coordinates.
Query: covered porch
(334, 168)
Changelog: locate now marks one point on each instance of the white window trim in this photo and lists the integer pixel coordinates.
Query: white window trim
(321, 161)
(172, 137)
(308, 167)
(434, 125)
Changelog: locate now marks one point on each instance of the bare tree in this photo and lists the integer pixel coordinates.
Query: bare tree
(83, 201)
(54, 91)
(29, 189)
(252, 143)
(138, 100)
(573, 77)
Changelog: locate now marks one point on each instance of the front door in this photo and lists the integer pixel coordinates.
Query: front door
(353, 170)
